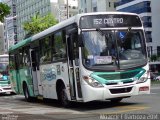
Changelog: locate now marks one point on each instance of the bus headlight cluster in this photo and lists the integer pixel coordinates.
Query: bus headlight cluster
(92, 82)
(142, 80)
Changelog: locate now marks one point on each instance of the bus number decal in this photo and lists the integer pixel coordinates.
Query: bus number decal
(113, 20)
(108, 21)
(97, 21)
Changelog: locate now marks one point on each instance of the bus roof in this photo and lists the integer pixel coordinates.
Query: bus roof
(99, 13)
(20, 44)
(72, 20)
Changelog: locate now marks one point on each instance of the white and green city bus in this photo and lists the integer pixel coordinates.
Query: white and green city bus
(91, 56)
(5, 85)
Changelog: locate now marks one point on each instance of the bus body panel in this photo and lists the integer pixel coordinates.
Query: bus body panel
(18, 79)
(49, 74)
(25, 75)
(14, 83)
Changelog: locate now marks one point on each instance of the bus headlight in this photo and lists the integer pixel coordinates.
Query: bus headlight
(142, 80)
(92, 82)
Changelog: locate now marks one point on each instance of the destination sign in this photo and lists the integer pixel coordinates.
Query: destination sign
(109, 21)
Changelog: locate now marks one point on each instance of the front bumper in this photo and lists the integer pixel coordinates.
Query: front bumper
(6, 89)
(108, 92)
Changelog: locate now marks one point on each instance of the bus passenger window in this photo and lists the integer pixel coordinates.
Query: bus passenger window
(59, 47)
(46, 50)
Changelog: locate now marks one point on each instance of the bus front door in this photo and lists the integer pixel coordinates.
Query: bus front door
(73, 53)
(37, 85)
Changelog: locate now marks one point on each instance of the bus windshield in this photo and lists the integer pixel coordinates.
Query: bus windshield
(3, 67)
(3, 71)
(113, 49)
(4, 61)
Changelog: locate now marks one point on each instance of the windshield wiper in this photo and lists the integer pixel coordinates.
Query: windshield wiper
(128, 34)
(100, 31)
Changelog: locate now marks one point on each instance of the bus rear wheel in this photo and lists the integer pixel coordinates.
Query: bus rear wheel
(63, 98)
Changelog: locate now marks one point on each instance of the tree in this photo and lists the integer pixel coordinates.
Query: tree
(4, 11)
(153, 57)
(37, 24)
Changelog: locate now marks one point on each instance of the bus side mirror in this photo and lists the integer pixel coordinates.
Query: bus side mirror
(80, 41)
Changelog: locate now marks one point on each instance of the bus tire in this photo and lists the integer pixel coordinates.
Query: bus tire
(26, 93)
(116, 100)
(63, 98)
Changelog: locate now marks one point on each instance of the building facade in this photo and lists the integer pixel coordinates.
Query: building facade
(86, 6)
(1, 39)
(10, 26)
(63, 9)
(148, 10)
(28, 8)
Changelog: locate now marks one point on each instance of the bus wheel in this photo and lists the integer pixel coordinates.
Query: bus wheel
(116, 100)
(63, 98)
(26, 93)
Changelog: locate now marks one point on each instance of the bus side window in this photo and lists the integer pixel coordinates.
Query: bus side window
(12, 61)
(59, 47)
(20, 58)
(16, 62)
(45, 50)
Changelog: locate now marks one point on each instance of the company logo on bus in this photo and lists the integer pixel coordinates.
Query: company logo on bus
(49, 74)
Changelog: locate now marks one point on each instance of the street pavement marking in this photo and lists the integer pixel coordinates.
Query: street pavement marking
(153, 93)
(127, 109)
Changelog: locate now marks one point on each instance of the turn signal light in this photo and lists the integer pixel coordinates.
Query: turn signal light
(145, 88)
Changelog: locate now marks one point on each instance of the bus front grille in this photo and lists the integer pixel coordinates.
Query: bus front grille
(120, 90)
(6, 88)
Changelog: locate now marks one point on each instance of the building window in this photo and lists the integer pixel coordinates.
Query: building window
(138, 8)
(148, 36)
(158, 50)
(146, 18)
(109, 4)
(94, 9)
(149, 50)
(85, 10)
(147, 21)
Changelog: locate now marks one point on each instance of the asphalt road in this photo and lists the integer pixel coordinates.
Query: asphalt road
(14, 107)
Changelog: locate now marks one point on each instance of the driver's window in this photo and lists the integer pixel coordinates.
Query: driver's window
(136, 41)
